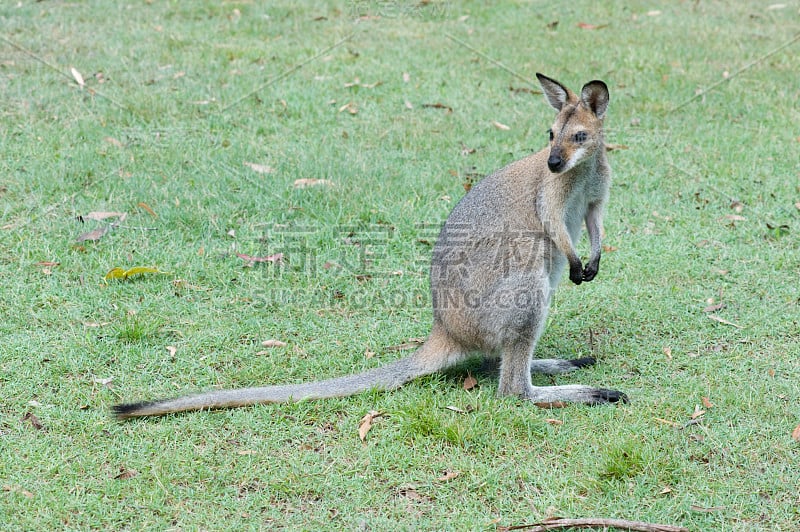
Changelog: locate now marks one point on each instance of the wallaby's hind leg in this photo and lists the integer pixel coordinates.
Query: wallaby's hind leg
(522, 325)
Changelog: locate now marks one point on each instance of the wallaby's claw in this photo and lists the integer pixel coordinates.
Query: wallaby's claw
(604, 396)
(589, 274)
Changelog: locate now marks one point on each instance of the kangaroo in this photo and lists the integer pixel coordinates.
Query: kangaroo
(496, 264)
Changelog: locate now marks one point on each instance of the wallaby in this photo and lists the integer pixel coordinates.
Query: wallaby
(495, 267)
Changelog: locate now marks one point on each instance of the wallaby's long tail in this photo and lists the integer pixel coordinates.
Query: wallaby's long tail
(387, 377)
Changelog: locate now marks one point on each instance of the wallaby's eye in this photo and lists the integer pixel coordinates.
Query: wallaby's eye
(550, 132)
(579, 137)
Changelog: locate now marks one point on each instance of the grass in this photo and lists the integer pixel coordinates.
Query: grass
(178, 96)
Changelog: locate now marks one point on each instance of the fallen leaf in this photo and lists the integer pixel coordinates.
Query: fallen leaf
(47, 263)
(714, 308)
(797, 205)
(182, 283)
(365, 424)
(724, 321)
(448, 475)
(456, 410)
(312, 182)
(277, 257)
(273, 343)
(707, 402)
(698, 412)
(734, 218)
(102, 215)
(666, 490)
(615, 147)
(470, 382)
(260, 168)
(737, 205)
(411, 493)
(33, 420)
(147, 208)
(610, 249)
(125, 474)
(103, 382)
(437, 106)
(121, 273)
(94, 235)
(95, 323)
(796, 433)
(246, 452)
(171, 349)
(406, 77)
(552, 404)
(409, 105)
(113, 141)
(500, 126)
(552, 421)
(668, 353)
(667, 422)
(77, 76)
(350, 108)
(586, 26)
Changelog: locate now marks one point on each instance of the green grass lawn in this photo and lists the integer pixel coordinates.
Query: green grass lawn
(197, 118)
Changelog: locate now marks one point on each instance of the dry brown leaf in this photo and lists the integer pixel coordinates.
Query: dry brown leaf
(94, 235)
(734, 218)
(470, 382)
(615, 147)
(797, 205)
(500, 126)
(437, 105)
(246, 452)
(47, 263)
(259, 168)
(552, 421)
(707, 402)
(277, 257)
(113, 141)
(273, 343)
(737, 205)
(724, 321)
(448, 475)
(125, 474)
(411, 344)
(586, 26)
(796, 433)
(350, 108)
(668, 353)
(552, 404)
(666, 490)
(714, 308)
(456, 409)
(146, 207)
(365, 424)
(312, 182)
(696, 508)
(698, 412)
(33, 420)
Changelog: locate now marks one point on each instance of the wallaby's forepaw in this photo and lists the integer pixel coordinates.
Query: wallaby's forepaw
(591, 269)
(583, 362)
(576, 273)
(603, 396)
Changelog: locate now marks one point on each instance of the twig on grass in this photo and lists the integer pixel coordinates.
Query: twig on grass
(623, 524)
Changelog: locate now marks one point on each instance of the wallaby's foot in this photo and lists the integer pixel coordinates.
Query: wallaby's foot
(575, 393)
(589, 272)
(555, 366)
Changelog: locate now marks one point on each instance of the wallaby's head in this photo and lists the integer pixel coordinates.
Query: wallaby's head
(577, 132)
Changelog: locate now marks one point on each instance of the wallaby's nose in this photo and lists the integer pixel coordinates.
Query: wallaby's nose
(555, 162)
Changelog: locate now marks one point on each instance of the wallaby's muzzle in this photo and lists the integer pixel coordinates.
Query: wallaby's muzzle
(555, 162)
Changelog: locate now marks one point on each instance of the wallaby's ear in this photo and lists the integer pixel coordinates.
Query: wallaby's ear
(595, 95)
(555, 93)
